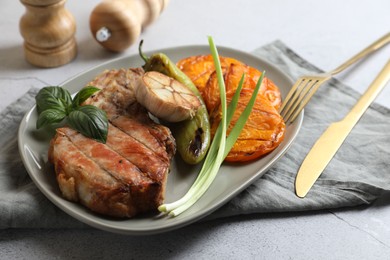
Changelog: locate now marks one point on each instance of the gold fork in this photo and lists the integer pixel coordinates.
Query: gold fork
(305, 87)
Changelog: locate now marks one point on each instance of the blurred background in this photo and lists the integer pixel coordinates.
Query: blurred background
(325, 33)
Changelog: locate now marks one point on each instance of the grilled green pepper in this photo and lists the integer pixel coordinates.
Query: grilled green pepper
(192, 135)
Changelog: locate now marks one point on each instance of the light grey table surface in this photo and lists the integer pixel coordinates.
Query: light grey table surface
(325, 33)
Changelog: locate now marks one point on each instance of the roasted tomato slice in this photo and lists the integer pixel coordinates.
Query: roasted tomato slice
(262, 133)
(264, 129)
(200, 70)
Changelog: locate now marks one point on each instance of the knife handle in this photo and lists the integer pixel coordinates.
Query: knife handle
(369, 95)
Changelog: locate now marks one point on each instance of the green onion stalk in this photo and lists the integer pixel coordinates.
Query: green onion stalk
(221, 145)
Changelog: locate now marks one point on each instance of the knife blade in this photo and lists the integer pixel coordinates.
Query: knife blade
(330, 141)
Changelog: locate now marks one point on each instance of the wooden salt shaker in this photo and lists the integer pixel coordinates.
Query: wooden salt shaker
(48, 30)
(117, 24)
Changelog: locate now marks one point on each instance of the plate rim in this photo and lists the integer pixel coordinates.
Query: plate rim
(200, 213)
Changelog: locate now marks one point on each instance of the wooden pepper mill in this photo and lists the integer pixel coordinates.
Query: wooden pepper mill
(116, 24)
(48, 30)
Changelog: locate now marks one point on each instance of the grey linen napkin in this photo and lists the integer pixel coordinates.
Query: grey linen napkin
(357, 175)
(359, 172)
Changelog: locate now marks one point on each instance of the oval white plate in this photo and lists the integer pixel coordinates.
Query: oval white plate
(231, 179)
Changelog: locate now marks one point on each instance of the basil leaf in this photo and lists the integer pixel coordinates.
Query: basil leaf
(50, 116)
(83, 95)
(53, 97)
(90, 121)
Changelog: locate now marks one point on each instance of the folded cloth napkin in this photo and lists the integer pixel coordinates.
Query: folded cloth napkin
(357, 174)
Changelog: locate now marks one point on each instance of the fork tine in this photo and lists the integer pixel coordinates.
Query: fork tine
(296, 96)
(304, 100)
(301, 95)
(290, 96)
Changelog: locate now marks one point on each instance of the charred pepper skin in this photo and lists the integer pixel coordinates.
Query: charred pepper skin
(192, 135)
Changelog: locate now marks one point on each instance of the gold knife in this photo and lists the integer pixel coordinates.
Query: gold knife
(333, 137)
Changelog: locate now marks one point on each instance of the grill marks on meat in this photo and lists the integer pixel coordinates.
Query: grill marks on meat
(117, 98)
(128, 174)
(155, 137)
(138, 154)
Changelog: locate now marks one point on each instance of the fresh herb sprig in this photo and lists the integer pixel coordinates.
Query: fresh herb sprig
(220, 146)
(55, 105)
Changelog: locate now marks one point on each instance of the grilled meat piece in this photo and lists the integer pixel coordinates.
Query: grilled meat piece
(117, 90)
(127, 175)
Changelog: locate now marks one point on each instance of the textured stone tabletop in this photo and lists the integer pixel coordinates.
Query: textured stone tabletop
(325, 33)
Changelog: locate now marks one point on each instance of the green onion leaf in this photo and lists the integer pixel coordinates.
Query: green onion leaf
(237, 128)
(220, 145)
